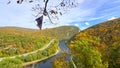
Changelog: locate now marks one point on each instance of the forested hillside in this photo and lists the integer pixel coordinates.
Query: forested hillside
(94, 47)
(98, 46)
(15, 43)
(22, 43)
(108, 32)
(16, 40)
(16, 30)
(63, 32)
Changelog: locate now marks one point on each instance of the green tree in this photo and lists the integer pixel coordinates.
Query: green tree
(60, 62)
(11, 63)
(85, 53)
(112, 54)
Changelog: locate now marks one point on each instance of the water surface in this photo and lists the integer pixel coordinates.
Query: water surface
(48, 62)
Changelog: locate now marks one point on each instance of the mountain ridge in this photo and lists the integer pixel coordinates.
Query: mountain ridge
(62, 32)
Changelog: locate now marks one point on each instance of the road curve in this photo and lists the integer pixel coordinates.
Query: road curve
(43, 48)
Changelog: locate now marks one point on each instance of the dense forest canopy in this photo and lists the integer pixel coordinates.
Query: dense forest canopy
(95, 47)
(102, 41)
(15, 41)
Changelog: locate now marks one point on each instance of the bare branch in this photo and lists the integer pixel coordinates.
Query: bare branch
(63, 7)
(45, 12)
(50, 19)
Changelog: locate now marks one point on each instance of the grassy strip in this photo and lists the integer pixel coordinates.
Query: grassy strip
(40, 55)
(28, 63)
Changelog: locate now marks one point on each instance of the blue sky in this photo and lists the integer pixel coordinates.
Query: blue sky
(86, 14)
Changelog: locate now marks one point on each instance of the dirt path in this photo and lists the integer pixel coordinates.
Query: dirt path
(43, 48)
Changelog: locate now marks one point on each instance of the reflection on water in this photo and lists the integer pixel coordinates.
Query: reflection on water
(48, 62)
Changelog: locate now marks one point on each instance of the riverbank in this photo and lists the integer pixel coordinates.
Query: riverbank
(32, 62)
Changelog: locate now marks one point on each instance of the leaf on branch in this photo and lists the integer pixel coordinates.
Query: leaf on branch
(60, 13)
(72, 3)
(19, 1)
(8, 2)
(53, 12)
(38, 5)
(43, 0)
(30, 1)
(62, 4)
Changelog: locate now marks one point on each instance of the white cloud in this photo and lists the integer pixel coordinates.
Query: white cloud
(80, 1)
(76, 25)
(67, 24)
(85, 11)
(112, 18)
(87, 23)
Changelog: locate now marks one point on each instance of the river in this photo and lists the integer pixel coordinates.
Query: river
(48, 62)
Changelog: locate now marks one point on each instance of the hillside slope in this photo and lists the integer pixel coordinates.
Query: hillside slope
(63, 32)
(16, 31)
(16, 40)
(97, 46)
(109, 32)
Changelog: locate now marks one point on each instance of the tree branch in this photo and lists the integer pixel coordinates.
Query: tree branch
(45, 11)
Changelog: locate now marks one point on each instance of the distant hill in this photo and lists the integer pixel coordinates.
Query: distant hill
(63, 32)
(16, 30)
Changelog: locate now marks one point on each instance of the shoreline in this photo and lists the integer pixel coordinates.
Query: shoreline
(39, 60)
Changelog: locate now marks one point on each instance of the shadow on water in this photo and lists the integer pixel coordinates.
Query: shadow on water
(48, 62)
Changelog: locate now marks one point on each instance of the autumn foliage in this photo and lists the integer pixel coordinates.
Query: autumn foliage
(97, 46)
